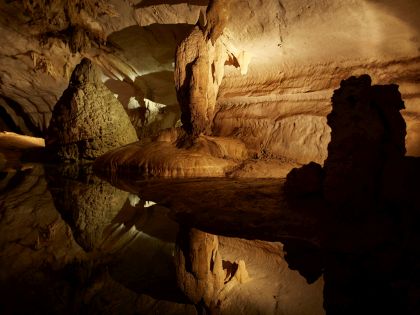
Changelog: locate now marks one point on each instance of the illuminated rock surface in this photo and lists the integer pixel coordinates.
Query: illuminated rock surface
(13, 146)
(206, 157)
(263, 74)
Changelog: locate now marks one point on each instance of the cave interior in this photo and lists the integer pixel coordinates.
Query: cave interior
(210, 157)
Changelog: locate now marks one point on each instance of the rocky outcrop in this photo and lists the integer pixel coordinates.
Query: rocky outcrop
(87, 120)
(144, 83)
(368, 131)
(279, 107)
(368, 134)
(256, 74)
(43, 43)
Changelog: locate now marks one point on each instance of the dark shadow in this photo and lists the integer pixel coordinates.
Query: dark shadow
(7, 123)
(20, 112)
(370, 252)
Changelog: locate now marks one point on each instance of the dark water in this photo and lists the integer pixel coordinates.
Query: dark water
(72, 243)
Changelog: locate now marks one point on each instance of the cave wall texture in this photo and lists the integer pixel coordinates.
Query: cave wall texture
(259, 71)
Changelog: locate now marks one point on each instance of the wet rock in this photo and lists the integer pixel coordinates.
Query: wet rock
(87, 120)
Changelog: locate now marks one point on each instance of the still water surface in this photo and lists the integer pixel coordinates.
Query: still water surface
(72, 243)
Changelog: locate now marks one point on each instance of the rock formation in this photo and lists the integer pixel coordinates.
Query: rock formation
(255, 74)
(368, 190)
(368, 131)
(206, 157)
(368, 135)
(200, 60)
(87, 120)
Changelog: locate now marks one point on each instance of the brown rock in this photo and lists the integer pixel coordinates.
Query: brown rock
(87, 120)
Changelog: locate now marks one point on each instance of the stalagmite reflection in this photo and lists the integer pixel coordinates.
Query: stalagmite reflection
(224, 275)
(87, 203)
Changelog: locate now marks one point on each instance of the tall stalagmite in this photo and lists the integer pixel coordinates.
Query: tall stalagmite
(87, 120)
(199, 69)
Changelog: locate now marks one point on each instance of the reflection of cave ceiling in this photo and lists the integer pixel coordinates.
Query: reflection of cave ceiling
(298, 52)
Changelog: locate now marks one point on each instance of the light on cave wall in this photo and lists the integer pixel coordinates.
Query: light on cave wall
(148, 203)
(134, 201)
(150, 105)
(153, 106)
(133, 103)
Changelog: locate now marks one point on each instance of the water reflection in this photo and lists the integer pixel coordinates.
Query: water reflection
(72, 243)
(97, 249)
(369, 260)
(120, 263)
(225, 275)
(87, 203)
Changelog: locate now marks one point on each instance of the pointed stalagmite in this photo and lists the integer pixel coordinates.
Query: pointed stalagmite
(87, 120)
